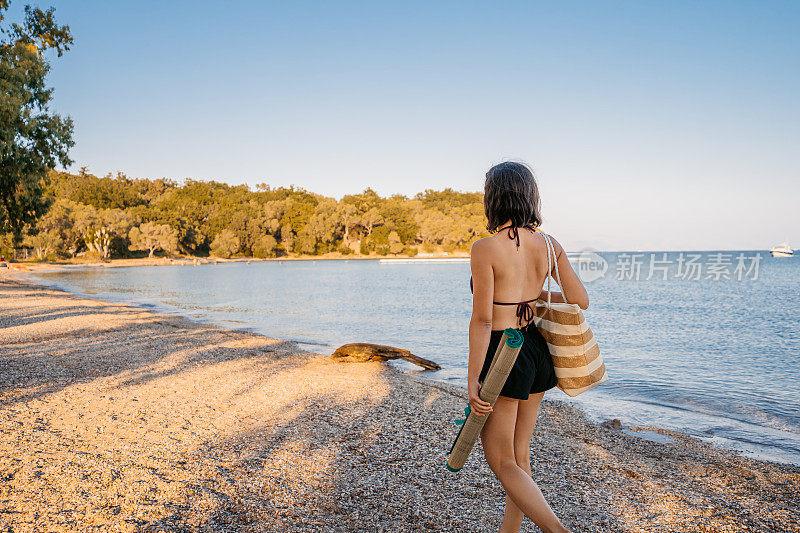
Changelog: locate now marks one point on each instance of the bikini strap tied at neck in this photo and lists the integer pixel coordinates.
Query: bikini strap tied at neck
(513, 232)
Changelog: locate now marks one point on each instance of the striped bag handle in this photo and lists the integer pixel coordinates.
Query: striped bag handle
(551, 261)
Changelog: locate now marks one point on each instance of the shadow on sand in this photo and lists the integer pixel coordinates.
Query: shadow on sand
(247, 434)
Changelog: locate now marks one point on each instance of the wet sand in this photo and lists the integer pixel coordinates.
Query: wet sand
(114, 418)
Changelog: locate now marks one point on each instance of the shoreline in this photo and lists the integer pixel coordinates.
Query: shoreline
(170, 424)
(750, 449)
(647, 432)
(60, 266)
(56, 266)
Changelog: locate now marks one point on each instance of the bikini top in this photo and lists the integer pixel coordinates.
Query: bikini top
(524, 310)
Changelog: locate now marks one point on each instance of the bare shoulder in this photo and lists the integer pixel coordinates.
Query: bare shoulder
(481, 249)
(556, 245)
(481, 245)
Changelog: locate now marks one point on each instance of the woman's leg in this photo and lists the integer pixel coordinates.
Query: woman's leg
(527, 412)
(499, 448)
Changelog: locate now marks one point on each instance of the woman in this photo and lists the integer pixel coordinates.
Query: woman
(508, 272)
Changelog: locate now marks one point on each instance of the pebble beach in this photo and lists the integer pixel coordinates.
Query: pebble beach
(115, 418)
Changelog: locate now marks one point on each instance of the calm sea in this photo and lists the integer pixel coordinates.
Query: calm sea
(715, 358)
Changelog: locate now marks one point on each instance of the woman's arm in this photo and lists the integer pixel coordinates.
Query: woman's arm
(571, 285)
(480, 325)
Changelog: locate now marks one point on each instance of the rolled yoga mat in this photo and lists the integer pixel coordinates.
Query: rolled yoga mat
(504, 359)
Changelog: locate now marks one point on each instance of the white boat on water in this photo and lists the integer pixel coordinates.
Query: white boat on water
(782, 250)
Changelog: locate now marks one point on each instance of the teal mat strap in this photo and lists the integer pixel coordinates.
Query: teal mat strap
(515, 338)
(460, 422)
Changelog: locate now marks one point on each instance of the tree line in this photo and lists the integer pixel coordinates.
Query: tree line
(118, 216)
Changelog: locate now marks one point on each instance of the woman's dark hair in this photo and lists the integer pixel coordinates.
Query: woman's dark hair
(511, 194)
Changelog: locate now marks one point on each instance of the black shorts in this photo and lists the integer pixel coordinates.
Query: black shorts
(533, 372)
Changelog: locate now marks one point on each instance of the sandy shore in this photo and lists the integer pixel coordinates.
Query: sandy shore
(114, 418)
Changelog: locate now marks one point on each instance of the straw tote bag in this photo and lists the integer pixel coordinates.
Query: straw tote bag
(576, 356)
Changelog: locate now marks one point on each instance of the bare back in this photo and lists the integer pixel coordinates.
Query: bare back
(518, 274)
(510, 275)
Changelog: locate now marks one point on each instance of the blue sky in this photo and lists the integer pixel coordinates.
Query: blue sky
(650, 125)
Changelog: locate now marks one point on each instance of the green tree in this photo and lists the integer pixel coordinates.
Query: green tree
(191, 239)
(33, 140)
(380, 237)
(225, 244)
(99, 240)
(301, 209)
(45, 243)
(152, 237)
(365, 246)
(265, 246)
(325, 223)
(118, 224)
(61, 220)
(347, 215)
(305, 243)
(433, 226)
(287, 238)
(363, 202)
(399, 216)
(370, 219)
(120, 192)
(395, 244)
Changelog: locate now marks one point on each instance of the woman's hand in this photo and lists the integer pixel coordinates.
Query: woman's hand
(477, 405)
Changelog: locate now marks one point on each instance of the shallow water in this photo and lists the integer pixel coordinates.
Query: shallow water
(716, 359)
